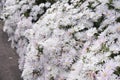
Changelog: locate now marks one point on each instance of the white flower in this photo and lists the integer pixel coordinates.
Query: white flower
(116, 4)
(91, 32)
(114, 48)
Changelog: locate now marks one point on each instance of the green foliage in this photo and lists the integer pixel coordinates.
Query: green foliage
(96, 35)
(36, 72)
(52, 78)
(74, 37)
(40, 49)
(83, 59)
(104, 48)
(38, 16)
(101, 63)
(110, 1)
(114, 54)
(65, 27)
(69, 2)
(117, 71)
(43, 1)
(88, 50)
(90, 6)
(110, 5)
(118, 19)
(27, 13)
(100, 31)
(85, 29)
(39, 1)
(73, 34)
(98, 22)
(79, 3)
(115, 40)
(51, 1)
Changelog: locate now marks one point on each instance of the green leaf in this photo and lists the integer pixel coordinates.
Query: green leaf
(99, 21)
(117, 71)
(90, 6)
(27, 13)
(110, 1)
(114, 54)
(65, 27)
(104, 48)
(40, 49)
(118, 19)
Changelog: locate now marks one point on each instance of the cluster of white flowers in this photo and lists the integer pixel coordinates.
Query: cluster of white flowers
(65, 39)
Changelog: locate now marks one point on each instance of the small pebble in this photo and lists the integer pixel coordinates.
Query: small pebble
(10, 57)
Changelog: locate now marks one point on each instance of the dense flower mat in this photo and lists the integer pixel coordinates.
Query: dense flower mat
(65, 39)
